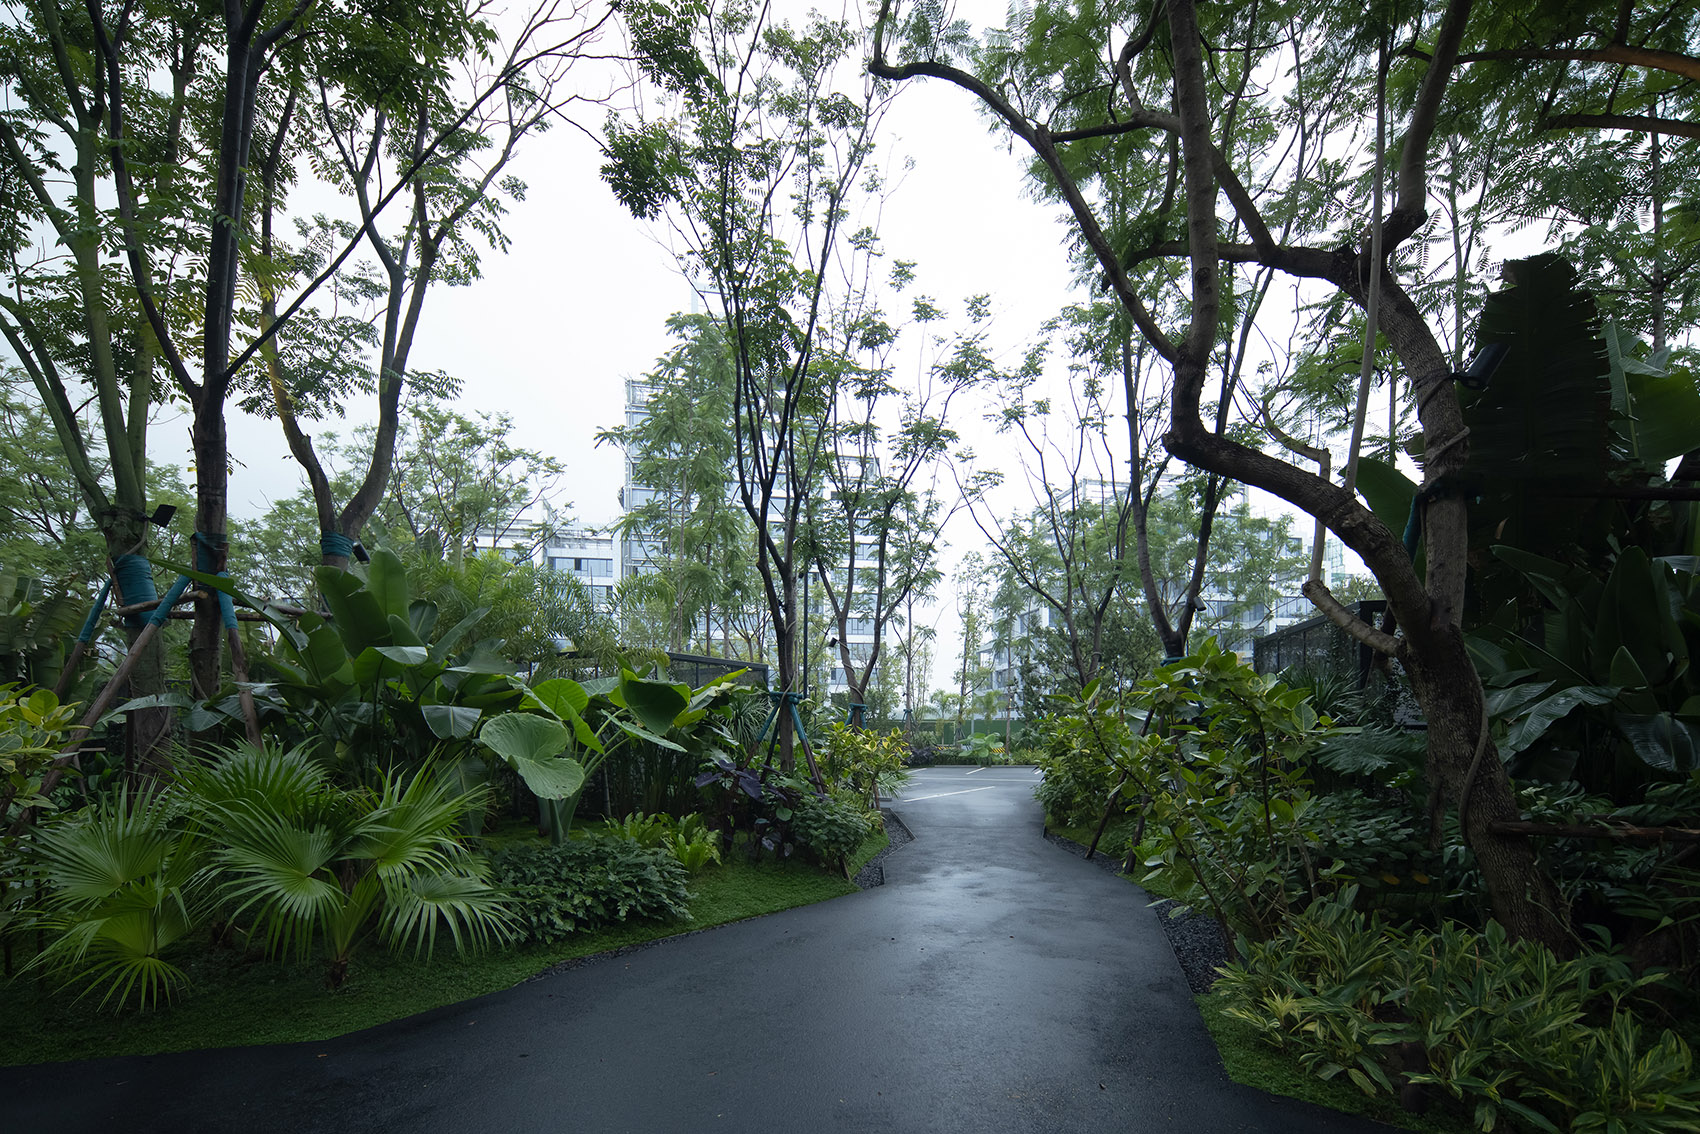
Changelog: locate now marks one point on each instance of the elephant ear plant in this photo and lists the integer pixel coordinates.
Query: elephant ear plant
(375, 687)
(608, 716)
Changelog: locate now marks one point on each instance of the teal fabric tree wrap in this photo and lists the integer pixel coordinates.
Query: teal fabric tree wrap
(335, 544)
(86, 634)
(162, 612)
(134, 576)
(210, 553)
(790, 698)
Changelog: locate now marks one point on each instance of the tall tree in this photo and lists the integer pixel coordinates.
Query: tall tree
(446, 146)
(160, 106)
(1150, 80)
(685, 513)
(873, 527)
(759, 174)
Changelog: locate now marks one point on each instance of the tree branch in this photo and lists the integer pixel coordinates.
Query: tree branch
(1323, 599)
(1643, 123)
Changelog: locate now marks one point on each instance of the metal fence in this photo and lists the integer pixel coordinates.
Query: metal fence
(697, 670)
(1318, 646)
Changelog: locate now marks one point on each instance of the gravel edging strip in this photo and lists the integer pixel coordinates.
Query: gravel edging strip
(873, 872)
(1195, 937)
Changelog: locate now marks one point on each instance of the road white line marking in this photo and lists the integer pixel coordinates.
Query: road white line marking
(942, 794)
(971, 771)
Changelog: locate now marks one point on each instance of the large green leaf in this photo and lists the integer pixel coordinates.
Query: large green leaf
(354, 609)
(386, 579)
(1635, 616)
(654, 703)
(1389, 493)
(1549, 712)
(450, 722)
(1660, 408)
(524, 736)
(637, 733)
(1661, 740)
(1559, 583)
(402, 632)
(561, 694)
(446, 644)
(1511, 700)
(486, 659)
(531, 745)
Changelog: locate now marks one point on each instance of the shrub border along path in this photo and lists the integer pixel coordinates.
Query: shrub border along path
(994, 983)
(1197, 941)
(240, 1000)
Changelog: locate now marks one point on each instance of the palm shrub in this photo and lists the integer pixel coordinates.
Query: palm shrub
(308, 860)
(121, 882)
(267, 841)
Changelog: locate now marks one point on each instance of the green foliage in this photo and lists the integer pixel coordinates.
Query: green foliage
(38, 623)
(1217, 768)
(264, 839)
(33, 725)
(238, 999)
(829, 829)
(688, 840)
(864, 763)
(1605, 676)
(1504, 1028)
(123, 883)
(589, 883)
(765, 810)
(699, 540)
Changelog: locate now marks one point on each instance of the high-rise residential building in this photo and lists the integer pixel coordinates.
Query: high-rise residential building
(642, 552)
(588, 557)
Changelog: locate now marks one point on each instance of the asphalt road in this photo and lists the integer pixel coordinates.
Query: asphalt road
(994, 983)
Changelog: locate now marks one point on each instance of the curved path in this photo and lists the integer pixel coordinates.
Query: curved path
(995, 983)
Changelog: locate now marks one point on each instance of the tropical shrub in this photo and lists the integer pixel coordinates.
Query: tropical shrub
(587, 883)
(1213, 758)
(33, 725)
(1503, 1028)
(1079, 778)
(265, 841)
(764, 810)
(688, 840)
(865, 763)
(829, 829)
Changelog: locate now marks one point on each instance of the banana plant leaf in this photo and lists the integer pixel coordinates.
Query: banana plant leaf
(386, 581)
(1389, 493)
(1543, 715)
(1661, 740)
(1659, 408)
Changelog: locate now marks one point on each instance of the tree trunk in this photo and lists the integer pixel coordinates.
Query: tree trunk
(1523, 898)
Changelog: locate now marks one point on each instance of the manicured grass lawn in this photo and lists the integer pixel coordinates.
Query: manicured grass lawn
(239, 999)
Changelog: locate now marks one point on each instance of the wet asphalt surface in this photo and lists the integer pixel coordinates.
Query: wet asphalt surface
(994, 983)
